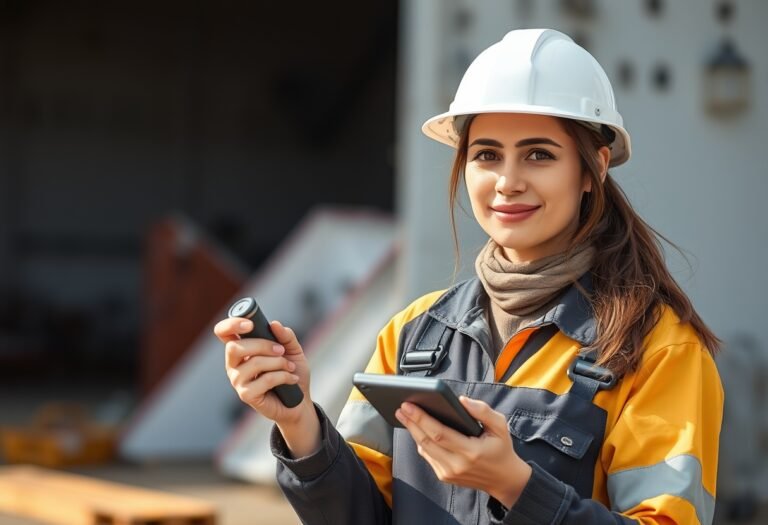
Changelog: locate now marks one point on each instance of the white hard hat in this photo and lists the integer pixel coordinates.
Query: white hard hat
(538, 71)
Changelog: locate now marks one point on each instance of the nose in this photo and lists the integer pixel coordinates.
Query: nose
(509, 180)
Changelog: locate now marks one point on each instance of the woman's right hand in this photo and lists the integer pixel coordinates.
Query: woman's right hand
(255, 366)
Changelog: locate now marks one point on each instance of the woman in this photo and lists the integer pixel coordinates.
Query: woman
(585, 362)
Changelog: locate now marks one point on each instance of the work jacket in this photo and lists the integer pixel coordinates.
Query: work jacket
(643, 449)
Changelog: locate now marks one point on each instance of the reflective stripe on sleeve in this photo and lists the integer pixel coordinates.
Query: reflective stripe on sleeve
(678, 476)
(360, 423)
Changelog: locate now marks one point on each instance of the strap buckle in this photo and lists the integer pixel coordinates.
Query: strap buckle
(416, 360)
(429, 351)
(584, 366)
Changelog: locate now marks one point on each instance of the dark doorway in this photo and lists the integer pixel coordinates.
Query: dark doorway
(240, 115)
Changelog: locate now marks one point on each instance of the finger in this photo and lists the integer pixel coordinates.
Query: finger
(266, 382)
(430, 430)
(286, 337)
(235, 352)
(436, 430)
(257, 365)
(491, 419)
(437, 456)
(229, 329)
(419, 436)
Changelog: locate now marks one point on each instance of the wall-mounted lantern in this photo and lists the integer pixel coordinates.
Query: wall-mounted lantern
(579, 8)
(727, 89)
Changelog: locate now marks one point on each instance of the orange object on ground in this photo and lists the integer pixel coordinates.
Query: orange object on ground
(60, 435)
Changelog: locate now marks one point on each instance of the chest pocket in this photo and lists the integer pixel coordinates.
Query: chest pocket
(566, 451)
(528, 427)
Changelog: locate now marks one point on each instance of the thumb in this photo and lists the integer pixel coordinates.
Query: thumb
(492, 421)
(286, 337)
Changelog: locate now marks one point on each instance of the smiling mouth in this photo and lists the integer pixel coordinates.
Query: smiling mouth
(515, 213)
(515, 209)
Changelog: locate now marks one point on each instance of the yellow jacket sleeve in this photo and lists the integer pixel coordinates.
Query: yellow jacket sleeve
(660, 457)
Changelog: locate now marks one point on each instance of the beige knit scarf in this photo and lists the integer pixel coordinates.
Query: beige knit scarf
(522, 292)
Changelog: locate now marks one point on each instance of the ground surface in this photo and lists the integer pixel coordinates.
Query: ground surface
(238, 503)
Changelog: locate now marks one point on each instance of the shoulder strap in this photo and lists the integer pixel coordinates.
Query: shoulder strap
(588, 378)
(428, 352)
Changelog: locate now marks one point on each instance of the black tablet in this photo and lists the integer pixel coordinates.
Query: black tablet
(387, 392)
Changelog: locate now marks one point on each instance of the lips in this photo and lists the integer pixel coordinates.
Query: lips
(514, 213)
(514, 208)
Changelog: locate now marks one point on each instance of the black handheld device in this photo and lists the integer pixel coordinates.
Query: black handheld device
(289, 395)
(387, 392)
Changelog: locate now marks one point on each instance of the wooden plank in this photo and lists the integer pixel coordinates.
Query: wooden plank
(68, 499)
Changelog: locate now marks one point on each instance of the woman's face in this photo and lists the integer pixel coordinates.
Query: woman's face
(525, 182)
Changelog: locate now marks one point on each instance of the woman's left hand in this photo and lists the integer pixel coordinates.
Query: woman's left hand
(487, 462)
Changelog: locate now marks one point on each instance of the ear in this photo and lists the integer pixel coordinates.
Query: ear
(604, 155)
(603, 158)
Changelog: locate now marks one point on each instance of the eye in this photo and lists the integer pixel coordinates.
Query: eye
(540, 154)
(485, 155)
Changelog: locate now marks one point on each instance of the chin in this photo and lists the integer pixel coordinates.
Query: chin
(514, 244)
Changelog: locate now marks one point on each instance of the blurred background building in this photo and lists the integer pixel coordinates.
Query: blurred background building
(242, 116)
(156, 156)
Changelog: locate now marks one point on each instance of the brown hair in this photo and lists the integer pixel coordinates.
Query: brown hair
(631, 282)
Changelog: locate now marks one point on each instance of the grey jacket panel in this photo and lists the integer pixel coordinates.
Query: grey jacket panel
(560, 433)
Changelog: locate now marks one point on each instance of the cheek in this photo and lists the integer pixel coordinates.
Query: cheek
(477, 188)
(572, 180)
(564, 199)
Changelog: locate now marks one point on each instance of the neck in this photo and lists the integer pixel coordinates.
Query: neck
(520, 291)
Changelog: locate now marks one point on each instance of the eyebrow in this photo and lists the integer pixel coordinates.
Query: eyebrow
(518, 144)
